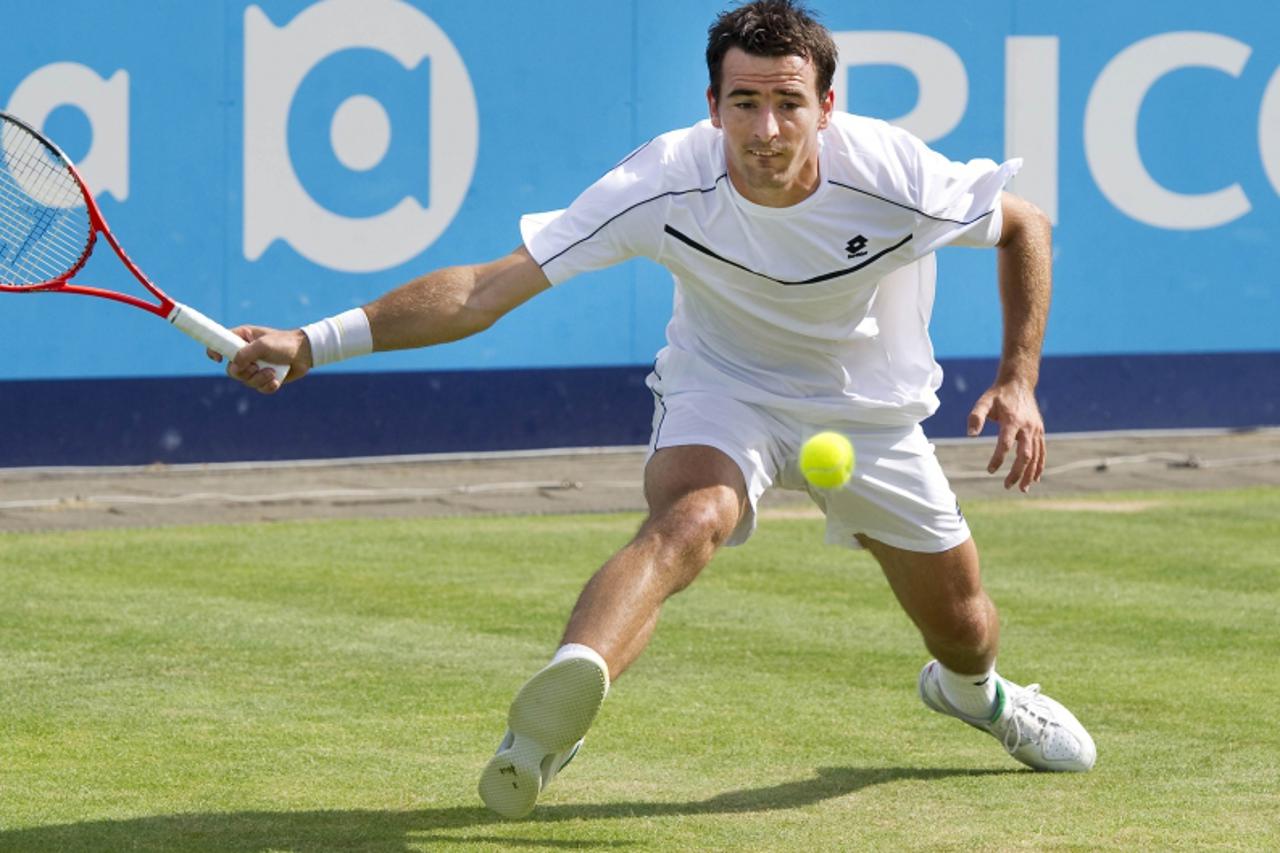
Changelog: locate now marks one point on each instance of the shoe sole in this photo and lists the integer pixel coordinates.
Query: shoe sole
(924, 691)
(549, 715)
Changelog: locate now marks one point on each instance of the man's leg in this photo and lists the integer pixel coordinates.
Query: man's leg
(696, 496)
(942, 594)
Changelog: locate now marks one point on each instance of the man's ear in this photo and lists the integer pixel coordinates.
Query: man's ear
(713, 108)
(826, 105)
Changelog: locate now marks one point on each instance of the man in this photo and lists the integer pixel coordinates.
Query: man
(801, 240)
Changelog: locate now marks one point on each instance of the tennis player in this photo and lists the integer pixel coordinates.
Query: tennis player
(801, 240)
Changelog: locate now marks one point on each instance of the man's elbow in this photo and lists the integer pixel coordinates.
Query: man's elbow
(479, 319)
(463, 323)
(1023, 221)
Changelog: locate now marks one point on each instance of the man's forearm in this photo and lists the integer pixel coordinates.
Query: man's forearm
(432, 309)
(1025, 261)
(454, 302)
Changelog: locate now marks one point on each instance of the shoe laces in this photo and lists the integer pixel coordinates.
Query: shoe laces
(1029, 720)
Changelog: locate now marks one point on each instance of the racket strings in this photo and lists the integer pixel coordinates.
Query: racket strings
(43, 236)
(44, 222)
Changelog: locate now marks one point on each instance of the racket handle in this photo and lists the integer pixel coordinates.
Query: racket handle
(215, 336)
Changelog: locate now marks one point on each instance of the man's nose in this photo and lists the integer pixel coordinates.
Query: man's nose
(767, 124)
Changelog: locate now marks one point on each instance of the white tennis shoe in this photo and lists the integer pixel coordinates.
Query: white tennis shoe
(545, 727)
(1033, 728)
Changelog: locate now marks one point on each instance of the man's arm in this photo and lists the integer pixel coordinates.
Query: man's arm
(1025, 261)
(445, 305)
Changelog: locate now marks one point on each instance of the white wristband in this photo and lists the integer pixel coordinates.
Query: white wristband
(342, 336)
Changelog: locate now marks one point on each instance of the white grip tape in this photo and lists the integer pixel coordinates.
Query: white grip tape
(214, 335)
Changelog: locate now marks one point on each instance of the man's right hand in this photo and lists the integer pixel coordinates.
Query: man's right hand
(273, 346)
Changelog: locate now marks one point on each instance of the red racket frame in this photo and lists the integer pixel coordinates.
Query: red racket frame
(97, 225)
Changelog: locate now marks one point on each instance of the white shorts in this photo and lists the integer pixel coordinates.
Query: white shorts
(897, 495)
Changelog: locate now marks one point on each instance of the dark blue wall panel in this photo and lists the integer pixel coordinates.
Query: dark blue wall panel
(141, 421)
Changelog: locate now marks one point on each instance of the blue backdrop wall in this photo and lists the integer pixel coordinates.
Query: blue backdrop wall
(283, 160)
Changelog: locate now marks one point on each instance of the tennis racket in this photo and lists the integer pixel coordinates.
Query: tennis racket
(49, 225)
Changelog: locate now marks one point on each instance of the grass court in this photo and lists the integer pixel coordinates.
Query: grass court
(339, 685)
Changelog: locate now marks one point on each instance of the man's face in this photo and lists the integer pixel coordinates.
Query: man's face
(770, 113)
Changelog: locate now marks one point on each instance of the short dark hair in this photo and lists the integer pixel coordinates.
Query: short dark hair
(772, 28)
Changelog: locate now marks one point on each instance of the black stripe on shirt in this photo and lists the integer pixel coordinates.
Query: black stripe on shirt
(694, 244)
(606, 223)
(910, 208)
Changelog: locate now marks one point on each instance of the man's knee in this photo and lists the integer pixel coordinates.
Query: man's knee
(696, 497)
(691, 529)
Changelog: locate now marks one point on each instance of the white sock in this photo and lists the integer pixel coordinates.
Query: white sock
(974, 695)
(577, 650)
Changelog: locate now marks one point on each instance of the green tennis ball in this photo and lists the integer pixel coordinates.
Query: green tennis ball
(826, 460)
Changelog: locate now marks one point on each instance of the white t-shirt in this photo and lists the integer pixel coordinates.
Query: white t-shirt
(800, 307)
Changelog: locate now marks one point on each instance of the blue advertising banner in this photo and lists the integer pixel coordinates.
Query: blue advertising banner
(283, 160)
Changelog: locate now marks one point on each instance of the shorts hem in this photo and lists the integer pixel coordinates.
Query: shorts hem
(848, 540)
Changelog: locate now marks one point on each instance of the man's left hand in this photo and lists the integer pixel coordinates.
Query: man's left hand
(1013, 406)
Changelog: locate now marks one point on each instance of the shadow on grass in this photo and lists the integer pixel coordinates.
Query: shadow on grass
(242, 832)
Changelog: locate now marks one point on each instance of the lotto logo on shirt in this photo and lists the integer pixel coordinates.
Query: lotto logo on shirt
(360, 130)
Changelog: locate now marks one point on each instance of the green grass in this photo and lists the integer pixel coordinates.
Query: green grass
(323, 686)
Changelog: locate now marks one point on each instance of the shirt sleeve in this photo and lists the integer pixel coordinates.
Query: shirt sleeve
(956, 203)
(618, 217)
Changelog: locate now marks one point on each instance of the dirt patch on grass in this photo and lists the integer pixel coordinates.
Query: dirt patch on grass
(1095, 505)
(1083, 469)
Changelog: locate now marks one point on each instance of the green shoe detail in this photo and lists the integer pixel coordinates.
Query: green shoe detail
(999, 702)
